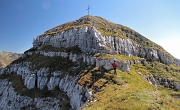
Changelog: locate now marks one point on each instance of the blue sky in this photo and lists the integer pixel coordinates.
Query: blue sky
(23, 20)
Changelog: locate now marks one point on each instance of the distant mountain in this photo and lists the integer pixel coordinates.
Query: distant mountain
(7, 57)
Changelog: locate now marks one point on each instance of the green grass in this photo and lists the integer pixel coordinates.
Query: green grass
(74, 50)
(134, 94)
(55, 63)
(119, 56)
(159, 69)
(63, 27)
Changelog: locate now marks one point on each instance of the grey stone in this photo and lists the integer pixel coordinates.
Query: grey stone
(177, 86)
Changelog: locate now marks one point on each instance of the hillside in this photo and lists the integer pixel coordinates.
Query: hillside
(7, 57)
(69, 67)
(112, 38)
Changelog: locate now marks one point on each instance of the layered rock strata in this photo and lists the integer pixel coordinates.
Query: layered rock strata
(39, 79)
(90, 41)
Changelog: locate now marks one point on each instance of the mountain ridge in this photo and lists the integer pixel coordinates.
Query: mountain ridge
(7, 57)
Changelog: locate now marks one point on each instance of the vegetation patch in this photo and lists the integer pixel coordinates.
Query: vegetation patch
(96, 78)
(63, 27)
(158, 69)
(119, 56)
(55, 63)
(47, 48)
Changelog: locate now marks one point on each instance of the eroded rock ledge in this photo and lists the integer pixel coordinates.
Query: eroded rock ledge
(90, 41)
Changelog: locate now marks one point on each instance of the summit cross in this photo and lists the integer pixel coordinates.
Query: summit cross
(88, 9)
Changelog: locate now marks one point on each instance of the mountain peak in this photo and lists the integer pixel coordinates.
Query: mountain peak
(70, 67)
(109, 37)
(106, 28)
(88, 20)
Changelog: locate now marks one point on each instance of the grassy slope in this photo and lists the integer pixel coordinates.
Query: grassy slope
(123, 91)
(134, 93)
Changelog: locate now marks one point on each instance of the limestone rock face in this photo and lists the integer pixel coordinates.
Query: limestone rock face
(90, 41)
(30, 81)
(68, 84)
(10, 100)
(39, 79)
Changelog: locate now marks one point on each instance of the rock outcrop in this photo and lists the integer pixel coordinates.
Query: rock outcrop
(11, 100)
(166, 82)
(91, 41)
(67, 84)
(77, 94)
(89, 59)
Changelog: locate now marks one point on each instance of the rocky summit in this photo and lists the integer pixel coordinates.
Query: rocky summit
(69, 67)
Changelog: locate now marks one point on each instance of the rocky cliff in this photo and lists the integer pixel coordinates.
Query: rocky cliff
(52, 74)
(91, 40)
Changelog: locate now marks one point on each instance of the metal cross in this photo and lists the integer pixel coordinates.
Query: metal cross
(88, 9)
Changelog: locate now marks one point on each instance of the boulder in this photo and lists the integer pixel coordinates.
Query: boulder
(177, 86)
(53, 82)
(31, 81)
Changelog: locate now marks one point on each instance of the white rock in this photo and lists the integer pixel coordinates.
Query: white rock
(31, 81)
